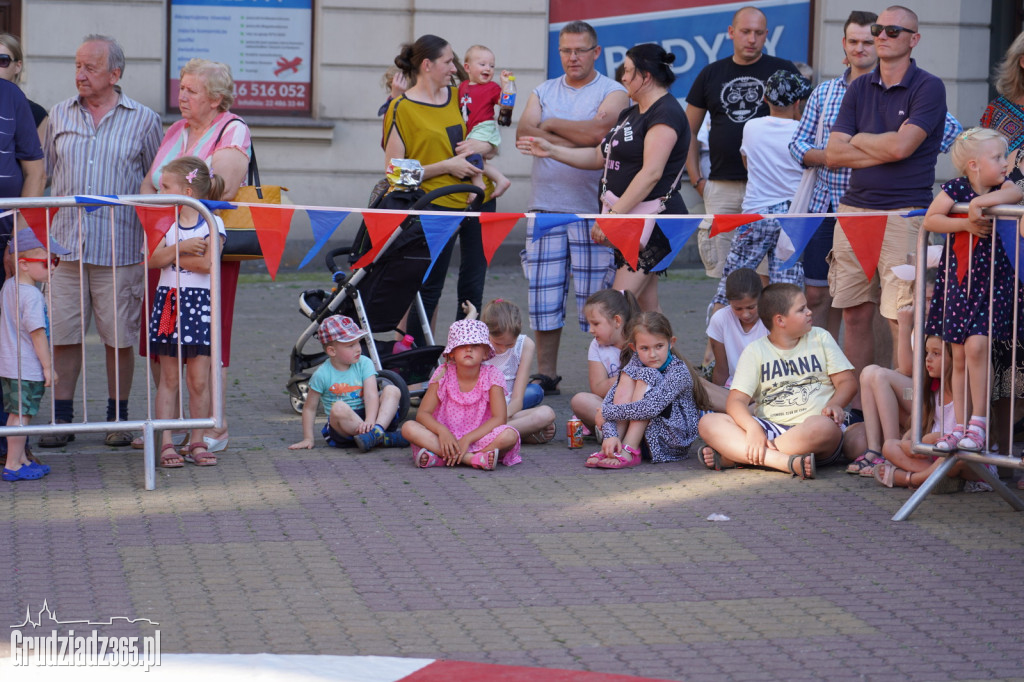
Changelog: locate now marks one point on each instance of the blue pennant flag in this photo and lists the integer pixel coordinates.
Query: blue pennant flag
(323, 223)
(438, 229)
(678, 231)
(797, 231)
(916, 212)
(97, 199)
(545, 222)
(217, 205)
(1006, 228)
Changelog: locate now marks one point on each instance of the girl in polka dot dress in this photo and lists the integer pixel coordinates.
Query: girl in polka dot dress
(181, 307)
(960, 307)
(461, 418)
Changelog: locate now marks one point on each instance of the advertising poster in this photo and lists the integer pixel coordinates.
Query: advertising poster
(267, 44)
(696, 31)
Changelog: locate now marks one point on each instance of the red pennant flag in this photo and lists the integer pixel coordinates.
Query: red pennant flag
(156, 220)
(721, 224)
(380, 226)
(38, 219)
(494, 228)
(624, 234)
(963, 243)
(865, 234)
(272, 225)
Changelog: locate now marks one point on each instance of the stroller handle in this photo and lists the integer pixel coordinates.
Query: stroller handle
(420, 204)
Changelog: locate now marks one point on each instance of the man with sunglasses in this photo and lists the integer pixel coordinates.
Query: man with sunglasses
(99, 142)
(808, 148)
(574, 110)
(889, 131)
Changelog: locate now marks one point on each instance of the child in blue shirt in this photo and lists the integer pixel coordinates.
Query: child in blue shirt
(347, 384)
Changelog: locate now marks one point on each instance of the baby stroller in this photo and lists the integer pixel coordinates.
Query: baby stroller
(377, 296)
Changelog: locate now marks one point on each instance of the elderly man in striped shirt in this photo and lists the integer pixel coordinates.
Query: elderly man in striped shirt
(99, 142)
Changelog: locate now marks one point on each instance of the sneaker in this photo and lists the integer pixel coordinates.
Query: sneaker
(366, 441)
(394, 439)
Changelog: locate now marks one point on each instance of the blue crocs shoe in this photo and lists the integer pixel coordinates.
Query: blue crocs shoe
(45, 468)
(25, 473)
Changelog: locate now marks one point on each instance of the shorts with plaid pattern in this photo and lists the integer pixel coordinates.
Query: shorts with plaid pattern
(548, 262)
(751, 244)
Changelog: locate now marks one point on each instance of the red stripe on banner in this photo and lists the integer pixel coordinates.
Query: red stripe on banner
(464, 671)
(571, 10)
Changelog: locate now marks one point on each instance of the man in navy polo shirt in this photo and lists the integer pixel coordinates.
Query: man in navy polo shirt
(889, 131)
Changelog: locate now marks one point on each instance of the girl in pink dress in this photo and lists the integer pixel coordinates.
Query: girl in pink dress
(461, 418)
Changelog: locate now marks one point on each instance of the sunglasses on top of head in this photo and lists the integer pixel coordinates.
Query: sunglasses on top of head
(891, 30)
(53, 260)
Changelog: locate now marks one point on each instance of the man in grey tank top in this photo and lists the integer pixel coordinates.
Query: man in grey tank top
(575, 110)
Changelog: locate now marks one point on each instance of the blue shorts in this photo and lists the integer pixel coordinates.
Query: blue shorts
(773, 431)
(817, 250)
(548, 263)
(337, 439)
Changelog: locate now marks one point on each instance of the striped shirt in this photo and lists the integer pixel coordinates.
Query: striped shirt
(825, 102)
(175, 144)
(111, 158)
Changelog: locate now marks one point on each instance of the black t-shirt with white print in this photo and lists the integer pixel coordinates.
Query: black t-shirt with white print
(732, 94)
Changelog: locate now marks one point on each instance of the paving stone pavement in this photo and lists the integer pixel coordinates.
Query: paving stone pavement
(543, 564)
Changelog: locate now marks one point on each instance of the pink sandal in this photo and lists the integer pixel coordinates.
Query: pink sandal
(950, 441)
(485, 459)
(974, 439)
(431, 461)
(625, 458)
(593, 459)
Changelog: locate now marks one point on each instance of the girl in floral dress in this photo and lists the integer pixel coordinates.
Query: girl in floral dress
(461, 419)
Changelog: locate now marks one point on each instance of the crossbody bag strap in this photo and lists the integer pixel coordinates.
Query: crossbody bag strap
(254, 170)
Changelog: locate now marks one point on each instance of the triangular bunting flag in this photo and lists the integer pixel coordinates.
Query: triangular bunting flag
(721, 224)
(272, 224)
(963, 243)
(156, 220)
(217, 205)
(438, 229)
(865, 234)
(380, 227)
(545, 222)
(38, 220)
(1009, 235)
(624, 234)
(797, 232)
(323, 224)
(494, 227)
(678, 231)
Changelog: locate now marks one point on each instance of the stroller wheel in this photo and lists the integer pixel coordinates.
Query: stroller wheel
(297, 392)
(396, 380)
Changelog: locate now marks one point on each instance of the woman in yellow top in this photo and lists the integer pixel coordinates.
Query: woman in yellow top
(426, 124)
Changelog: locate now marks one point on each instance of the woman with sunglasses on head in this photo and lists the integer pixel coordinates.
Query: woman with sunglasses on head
(11, 65)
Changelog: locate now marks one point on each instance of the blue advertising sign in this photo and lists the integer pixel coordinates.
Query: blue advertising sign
(696, 35)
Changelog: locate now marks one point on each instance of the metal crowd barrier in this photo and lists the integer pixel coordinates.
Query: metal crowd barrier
(149, 425)
(974, 462)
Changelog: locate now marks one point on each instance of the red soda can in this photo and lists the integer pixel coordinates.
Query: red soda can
(574, 429)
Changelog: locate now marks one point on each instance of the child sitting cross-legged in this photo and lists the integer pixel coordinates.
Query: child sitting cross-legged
(800, 381)
(357, 412)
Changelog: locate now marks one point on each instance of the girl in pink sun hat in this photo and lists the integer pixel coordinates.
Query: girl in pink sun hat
(461, 418)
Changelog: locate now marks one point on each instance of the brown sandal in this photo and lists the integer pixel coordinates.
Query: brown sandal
(200, 456)
(170, 461)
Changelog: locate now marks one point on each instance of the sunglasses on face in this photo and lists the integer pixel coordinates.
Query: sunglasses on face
(5, 60)
(53, 260)
(578, 52)
(891, 30)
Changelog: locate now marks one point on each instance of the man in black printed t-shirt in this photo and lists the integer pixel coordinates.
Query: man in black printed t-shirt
(732, 91)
